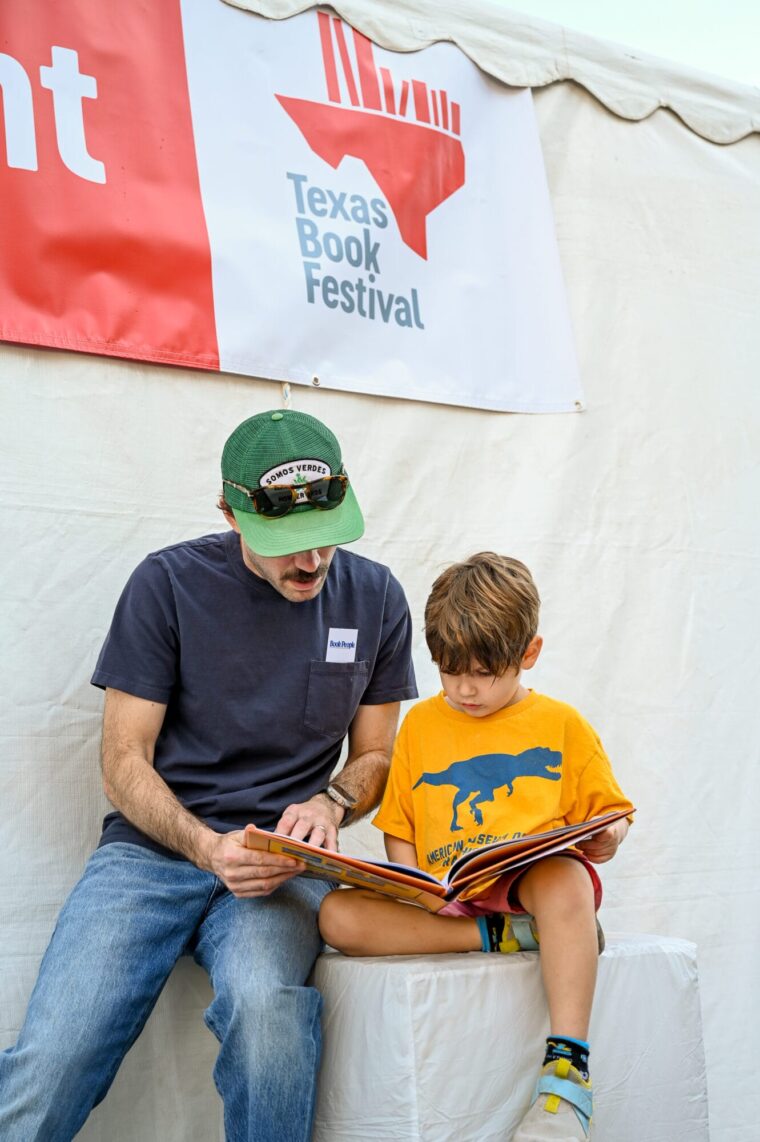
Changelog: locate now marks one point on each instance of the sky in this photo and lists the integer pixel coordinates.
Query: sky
(717, 36)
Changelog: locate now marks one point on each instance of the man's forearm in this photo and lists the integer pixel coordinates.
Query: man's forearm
(131, 726)
(370, 744)
(363, 777)
(143, 797)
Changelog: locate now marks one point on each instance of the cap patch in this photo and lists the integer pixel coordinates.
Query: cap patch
(295, 472)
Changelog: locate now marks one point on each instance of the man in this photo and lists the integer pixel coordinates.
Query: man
(235, 666)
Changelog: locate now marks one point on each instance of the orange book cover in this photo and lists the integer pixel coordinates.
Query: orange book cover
(473, 869)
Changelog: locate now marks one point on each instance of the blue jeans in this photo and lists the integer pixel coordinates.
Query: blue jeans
(125, 924)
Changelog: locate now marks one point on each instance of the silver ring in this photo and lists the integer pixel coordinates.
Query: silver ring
(322, 827)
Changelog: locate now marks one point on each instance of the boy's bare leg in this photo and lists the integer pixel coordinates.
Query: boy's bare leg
(559, 893)
(363, 923)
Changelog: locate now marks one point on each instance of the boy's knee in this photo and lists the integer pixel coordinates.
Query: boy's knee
(339, 922)
(563, 882)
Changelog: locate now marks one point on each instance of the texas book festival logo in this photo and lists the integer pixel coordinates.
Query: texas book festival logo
(407, 136)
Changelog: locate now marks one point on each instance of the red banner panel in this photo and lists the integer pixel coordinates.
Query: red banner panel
(102, 230)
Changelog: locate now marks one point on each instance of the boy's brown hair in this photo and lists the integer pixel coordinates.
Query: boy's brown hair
(483, 610)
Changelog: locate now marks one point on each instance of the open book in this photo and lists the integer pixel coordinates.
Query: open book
(472, 870)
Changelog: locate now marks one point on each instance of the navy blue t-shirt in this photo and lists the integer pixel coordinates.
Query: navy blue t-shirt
(257, 706)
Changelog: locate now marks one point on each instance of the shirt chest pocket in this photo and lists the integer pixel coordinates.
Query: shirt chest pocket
(333, 694)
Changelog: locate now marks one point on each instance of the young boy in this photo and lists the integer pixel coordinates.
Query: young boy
(480, 624)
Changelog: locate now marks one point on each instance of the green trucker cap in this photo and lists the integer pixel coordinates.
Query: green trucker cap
(287, 447)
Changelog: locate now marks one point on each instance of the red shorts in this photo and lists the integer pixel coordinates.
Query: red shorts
(502, 896)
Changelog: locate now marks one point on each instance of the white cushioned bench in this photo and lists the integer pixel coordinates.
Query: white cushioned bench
(447, 1048)
(438, 1049)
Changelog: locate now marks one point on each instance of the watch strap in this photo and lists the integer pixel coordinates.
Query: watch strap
(343, 798)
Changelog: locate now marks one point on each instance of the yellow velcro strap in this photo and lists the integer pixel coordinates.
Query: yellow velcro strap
(562, 1068)
(552, 1103)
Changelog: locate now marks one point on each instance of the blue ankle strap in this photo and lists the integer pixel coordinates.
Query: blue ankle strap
(523, 933)
(579, 1098)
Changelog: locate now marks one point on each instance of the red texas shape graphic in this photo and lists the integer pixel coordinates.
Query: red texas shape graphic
(416, 164)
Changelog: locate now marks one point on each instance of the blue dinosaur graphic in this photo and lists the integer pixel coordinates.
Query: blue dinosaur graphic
(478, 778)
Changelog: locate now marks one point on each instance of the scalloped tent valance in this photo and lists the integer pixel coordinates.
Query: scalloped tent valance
(524, 52)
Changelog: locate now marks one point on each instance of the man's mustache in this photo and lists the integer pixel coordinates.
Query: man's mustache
(307, 576)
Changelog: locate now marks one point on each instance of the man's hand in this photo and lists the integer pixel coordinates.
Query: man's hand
(604, 845)
(315, 821)
(247, 872)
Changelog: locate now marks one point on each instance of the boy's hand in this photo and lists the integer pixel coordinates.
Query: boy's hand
(604, 845)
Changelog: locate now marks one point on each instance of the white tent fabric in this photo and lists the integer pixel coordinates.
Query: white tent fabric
(526, 52)
(638, 517)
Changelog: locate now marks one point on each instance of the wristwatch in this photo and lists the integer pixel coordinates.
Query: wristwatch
(343, 798)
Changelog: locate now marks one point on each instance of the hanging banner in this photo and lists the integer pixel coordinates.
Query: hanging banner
(192, 184)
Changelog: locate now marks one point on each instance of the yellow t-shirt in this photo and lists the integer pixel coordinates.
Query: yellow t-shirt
(458, 782)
